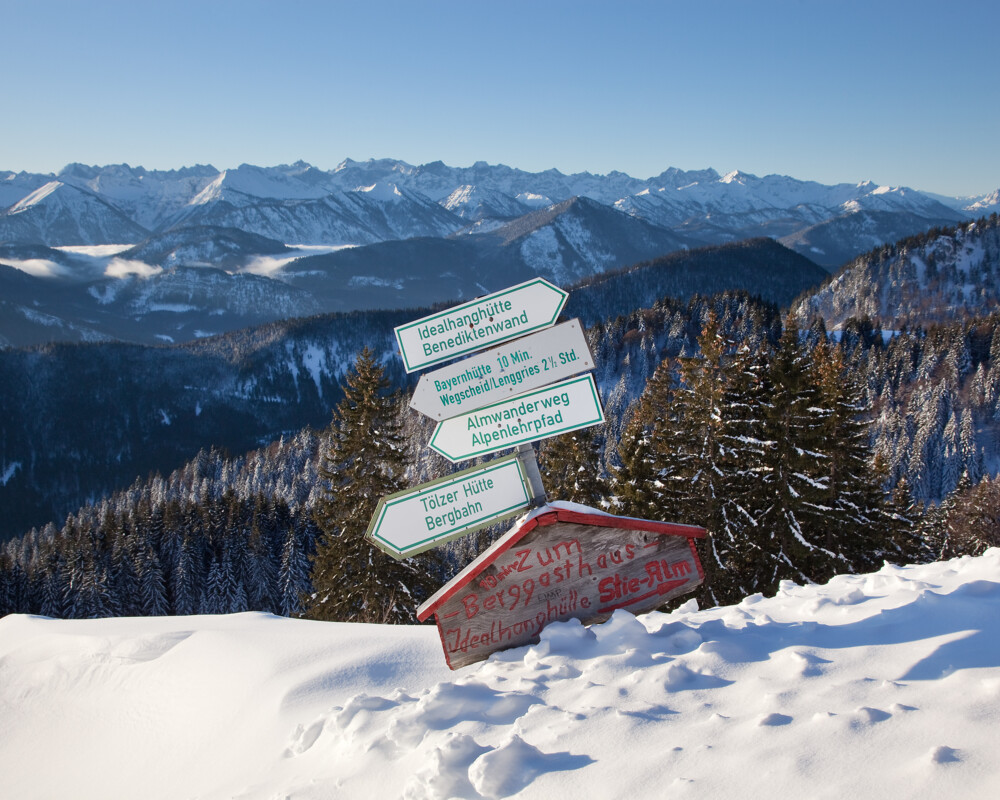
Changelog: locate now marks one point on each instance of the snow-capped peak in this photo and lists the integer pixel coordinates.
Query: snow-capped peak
(210, 192)
(463, 194)
(534, 200)
(734, 177)
(383, 192)
(989, 202)
(35, 197)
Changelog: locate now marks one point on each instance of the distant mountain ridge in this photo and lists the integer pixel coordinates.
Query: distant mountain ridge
(384, 234)
(285, 198)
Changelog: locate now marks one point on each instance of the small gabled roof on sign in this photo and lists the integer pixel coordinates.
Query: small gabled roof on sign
(550, 514)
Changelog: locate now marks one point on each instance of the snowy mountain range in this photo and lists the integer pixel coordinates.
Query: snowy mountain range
(386, 234)
(378, 200)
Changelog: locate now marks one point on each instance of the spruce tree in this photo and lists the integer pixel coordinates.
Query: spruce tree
(743, 555)
(686, 443)
(213, 599)
(366, 460)
(293, 576)
(152, 586)
(571, 466)
(634, 479)
(793, 482)
(850, 504)
(186, 579)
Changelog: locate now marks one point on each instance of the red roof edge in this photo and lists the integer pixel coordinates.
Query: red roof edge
(550, 515)
(610, 521)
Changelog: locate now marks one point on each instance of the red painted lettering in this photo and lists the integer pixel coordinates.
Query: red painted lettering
(471, 606)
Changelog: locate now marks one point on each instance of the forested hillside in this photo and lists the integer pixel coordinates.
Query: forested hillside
(804, 455)
(806, 451)
(939, 276)
(149, 409)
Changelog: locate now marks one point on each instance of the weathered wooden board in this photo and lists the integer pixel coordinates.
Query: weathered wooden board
(559, 571)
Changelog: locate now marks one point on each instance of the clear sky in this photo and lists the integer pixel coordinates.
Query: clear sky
(901, 93)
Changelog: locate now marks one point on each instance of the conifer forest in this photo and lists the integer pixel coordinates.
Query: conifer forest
(806, 451)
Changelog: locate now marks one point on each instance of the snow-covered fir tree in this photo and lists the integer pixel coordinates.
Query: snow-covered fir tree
(352, 579)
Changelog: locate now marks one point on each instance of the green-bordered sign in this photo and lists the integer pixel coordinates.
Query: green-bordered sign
(417, 519)
(495, 318)
(559, 408)
(520, 366)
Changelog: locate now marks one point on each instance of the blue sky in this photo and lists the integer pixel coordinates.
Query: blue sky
(902, 93)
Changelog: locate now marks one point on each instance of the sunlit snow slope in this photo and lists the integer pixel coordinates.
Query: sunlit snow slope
(873, 686)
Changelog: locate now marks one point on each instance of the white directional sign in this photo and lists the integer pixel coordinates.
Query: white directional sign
(496, 318)
(559, 408)
(537, 360)
(417, 519)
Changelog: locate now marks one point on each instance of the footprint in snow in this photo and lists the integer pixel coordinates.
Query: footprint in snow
(774, 720)
(450, 703)
(515, 764)
(869, 716)
(944, 755)
(447, 773)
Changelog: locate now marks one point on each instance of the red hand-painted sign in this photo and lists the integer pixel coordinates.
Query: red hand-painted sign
(561, 564)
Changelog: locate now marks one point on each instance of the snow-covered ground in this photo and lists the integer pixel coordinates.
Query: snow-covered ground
(874, 686)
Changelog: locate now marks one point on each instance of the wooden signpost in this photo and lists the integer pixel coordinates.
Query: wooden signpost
(558, 562)
(556, 565)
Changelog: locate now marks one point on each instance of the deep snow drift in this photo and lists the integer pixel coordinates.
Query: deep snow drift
(873, 686)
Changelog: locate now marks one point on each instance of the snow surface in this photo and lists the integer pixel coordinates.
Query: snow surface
(34, 197)
(8, 471)
(383, 192)
(873, 686)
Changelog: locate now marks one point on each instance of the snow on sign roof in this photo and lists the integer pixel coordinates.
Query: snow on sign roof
(562, 561)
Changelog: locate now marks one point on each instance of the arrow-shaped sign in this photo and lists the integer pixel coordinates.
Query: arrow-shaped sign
(559, 408)
(495, 318)
(417, 519)
(520, 366)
